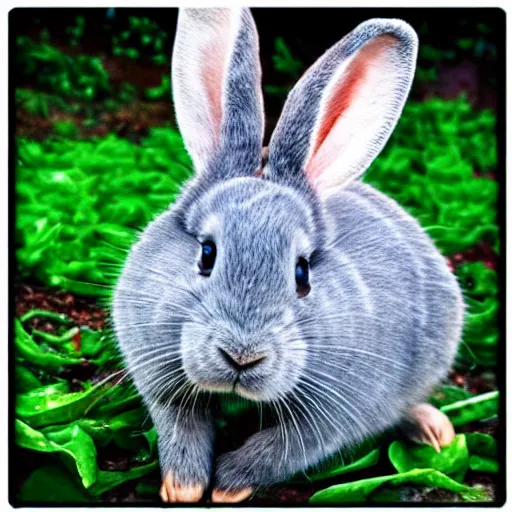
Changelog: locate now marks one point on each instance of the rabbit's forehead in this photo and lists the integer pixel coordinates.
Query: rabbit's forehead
(252, 206)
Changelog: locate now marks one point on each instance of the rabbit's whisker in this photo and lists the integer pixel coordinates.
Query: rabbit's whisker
(297, 428)
(357, 418)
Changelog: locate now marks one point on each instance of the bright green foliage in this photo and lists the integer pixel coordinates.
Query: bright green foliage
(65, 128)
(452, 460)
(52, 484)
(70, 441)
(422, 465)
(428, 167)
(446, 395)
(477, 408)
(284, 62)
(39, 103)
(80, 201)
(53, 419)
(366, 490)
(361, 457)
(481, 334)
(142, 38)
(483, 452)
(160, 91)
(72, 77)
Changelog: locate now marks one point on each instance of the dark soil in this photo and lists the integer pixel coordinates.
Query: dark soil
(78, 309)
(474, 383)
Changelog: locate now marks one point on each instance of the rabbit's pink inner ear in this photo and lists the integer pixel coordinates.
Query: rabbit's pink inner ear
(212, 75)
(337, 104)
(355, 103)
(202, 51)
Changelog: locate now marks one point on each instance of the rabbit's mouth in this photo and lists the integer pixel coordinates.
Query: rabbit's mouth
(234, 387)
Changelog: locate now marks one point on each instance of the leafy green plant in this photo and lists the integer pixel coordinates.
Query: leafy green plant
(71, 77)
(160, 91)
(142, 38)
(422, 465)
(452, 461)
(65, 128)
(72, 425)
(39, 103)
(76, 31)
(368, 489)
(78, 202)
(287, 64)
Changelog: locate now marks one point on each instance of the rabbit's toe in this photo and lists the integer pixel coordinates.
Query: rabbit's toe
(173, 492)
(219, 496)
(233, 478)
(432, 426)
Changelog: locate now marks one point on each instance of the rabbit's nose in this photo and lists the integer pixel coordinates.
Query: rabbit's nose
(242, 362)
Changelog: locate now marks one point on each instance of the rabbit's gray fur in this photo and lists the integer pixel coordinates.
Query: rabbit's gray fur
(377, 331)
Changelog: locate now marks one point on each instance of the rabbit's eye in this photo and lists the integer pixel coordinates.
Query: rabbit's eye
(208, 253)
(302, 277)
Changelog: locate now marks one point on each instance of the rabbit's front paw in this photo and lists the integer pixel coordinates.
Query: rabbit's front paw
(232, 479)
(172, 491)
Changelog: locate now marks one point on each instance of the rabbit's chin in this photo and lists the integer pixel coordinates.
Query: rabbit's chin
(244, 392)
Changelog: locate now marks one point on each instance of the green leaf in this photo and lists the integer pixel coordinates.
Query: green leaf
(53, 404)
(477, 408)
(361, 490)
(71, 442)
(363, 456)
(446, 395)
(370, 459)
(453, 460)
(483, 464)
(25, 380)
(125, 428)
(27, 349)
(152, 439)
(483, 452)
(91, 342)
(52, 484)
(161, 91)
(109, 479)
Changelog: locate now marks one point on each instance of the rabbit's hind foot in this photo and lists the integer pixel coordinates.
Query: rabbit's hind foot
(429, 425)
(172, 492)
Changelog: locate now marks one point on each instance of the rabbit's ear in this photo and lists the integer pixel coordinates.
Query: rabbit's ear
(216, 79)
(343, 109)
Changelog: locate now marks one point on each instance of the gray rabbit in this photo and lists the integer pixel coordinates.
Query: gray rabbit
(294, 285)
